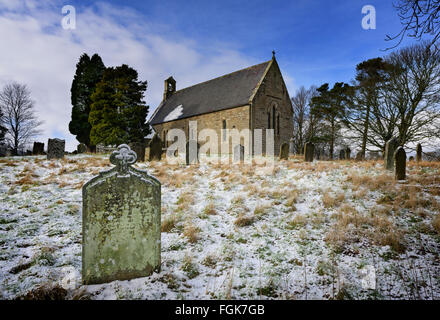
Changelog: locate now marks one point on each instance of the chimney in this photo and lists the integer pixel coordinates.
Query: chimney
(170, 87)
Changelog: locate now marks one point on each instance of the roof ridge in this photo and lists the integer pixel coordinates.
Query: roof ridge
(255, 65)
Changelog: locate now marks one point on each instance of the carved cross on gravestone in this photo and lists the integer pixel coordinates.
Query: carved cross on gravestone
(121, 222)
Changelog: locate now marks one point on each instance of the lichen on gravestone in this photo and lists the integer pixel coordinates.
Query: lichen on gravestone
(121, 222)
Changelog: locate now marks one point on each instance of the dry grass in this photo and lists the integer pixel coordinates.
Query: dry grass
(330, 201)
(243, 220)
(210, 209)
(168, 223)
(191, 232)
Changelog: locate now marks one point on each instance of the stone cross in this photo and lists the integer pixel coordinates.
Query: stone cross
(419, 152)
(400, 163)
(55, 148)
(309, 150)
(284, 151)
(390, 148)
(121, 222)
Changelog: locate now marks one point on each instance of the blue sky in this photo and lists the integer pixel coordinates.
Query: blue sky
(315, 42)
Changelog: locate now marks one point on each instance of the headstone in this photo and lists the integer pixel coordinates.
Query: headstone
(28, 153)
(139, 148)
(284, 151)
(411, 158)
(291, 146)
(192, 152)
(81, 148)
(38, 148)
(3, 149)
(238, 153)
(341, 154)
(155, 149)
(419, 152)
(359, 156)
(347, 153)
(121, 222)
(390, 149)
(55, 148)
(309, 150)
(400, 163)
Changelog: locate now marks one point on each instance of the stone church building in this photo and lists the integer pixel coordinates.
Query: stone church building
(252, 98)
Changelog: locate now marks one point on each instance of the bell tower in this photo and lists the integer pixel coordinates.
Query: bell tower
(170, 87)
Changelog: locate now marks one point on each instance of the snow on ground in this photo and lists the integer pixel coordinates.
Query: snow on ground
(326, 230)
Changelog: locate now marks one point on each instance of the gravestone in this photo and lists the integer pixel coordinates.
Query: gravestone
(411, 158)
(400, 163)
(341, 154)
(155, 149)
(81, 148)
(347, 153)
(139, 148)
(390, 149)
(359, 156)
(309, 150)
(38, 148)
(419, 152)
(284, 151)
(192, 149)
(121, 222)
(238, 153)
(291, 146)
(55, 148)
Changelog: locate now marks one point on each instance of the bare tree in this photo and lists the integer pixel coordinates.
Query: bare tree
(304, 122)
(19, 115)
(418, 18)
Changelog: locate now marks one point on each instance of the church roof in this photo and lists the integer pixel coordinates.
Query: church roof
(232, 90)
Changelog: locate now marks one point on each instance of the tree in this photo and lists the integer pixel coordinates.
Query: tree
(330, 105)
(413, 92)
(19, 117)
(88, 73)
(418, 18)
(118, 113)
(2, 128)
(371, 76)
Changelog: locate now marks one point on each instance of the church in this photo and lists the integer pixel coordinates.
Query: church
(251, 98)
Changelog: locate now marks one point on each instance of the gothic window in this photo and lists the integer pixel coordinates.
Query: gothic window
(268, 120)
(278, 124)
(273, 117)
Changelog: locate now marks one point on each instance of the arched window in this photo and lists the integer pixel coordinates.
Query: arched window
(268, 120)
(278, 124)
(273, 117)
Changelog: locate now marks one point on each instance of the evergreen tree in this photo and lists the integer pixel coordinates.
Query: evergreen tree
(118, 113)
(88, 73)
(330, 106)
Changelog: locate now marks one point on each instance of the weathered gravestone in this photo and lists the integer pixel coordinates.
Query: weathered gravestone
(81, 148)
(419, 152)
(390, 149)
(341, 154)
(121, 222)
(55, 148)
(309, 150)
(411, 158)
(38, 148)
(359, 156)
(284, 151)
(238, 153)
(139, 149)
(291, 146)
(347, 152)
(155, 149)
(192, 152)
(400, 163)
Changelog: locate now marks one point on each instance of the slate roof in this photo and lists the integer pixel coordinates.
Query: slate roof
(228, 91)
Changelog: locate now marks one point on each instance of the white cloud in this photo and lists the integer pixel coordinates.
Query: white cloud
(38, 52)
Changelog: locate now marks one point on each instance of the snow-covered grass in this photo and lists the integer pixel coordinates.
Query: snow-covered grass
(301, 231)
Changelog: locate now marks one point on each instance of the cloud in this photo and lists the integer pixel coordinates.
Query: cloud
(37, 51)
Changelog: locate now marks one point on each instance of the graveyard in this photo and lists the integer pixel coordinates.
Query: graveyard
(299, 230)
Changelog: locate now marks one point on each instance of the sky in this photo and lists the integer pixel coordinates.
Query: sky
(316, 42)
